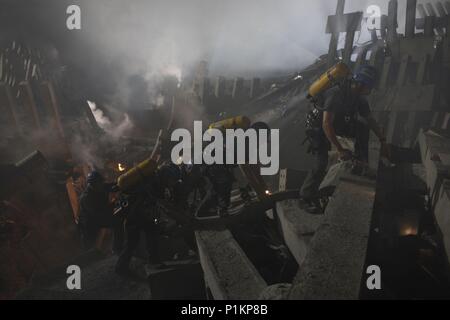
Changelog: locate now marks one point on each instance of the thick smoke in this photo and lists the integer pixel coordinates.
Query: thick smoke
(237, 37)
(112, 129)
(136, 39)
(126, 48)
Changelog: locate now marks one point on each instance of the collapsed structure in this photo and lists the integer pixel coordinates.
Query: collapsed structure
(398, 222)
(367, 223)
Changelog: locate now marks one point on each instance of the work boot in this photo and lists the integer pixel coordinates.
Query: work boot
(363, 170)
(314, 209)
(311, 206)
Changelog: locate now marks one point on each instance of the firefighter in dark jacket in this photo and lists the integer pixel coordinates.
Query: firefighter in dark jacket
(340, 111)
(96, 211)
(142, 216)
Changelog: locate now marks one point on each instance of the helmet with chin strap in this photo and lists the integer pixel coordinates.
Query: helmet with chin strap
(94, 177)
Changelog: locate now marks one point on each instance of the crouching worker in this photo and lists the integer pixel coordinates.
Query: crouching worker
(343, 111)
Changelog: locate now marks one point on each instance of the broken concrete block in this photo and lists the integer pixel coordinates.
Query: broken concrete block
(229, 274)
(291, 179)
(298, 228)
(442, 214)
(333, 266)
(435, 154)
(445, 123)
(414, 178)
(276, 292)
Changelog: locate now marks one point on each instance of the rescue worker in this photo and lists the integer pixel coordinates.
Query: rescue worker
(171, 177)
(96, 211)
(222, 176)
(222, 179)
(342, 111)
(143, 214)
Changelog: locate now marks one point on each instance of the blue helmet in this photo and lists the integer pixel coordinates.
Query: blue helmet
(94, 176)
(366, 75)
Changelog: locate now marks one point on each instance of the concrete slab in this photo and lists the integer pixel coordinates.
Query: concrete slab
(432, 147)
(432, 143)
(333, 267)
(417, 179)
(229, 274)
(291, 179)
(435, 151)
(298, 228)
(442, 214)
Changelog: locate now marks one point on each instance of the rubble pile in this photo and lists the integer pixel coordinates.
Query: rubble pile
(268, 247)
(411, 97)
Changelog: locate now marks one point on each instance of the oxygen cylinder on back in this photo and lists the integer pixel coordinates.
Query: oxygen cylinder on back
(330, 78)
(240, 122)
(137, 174)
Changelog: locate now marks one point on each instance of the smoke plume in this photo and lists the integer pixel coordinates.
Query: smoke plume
(114, 130)
(121, 40)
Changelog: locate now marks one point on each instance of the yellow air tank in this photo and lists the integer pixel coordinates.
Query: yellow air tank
(137, 174)
(335, 74)
(240, 122)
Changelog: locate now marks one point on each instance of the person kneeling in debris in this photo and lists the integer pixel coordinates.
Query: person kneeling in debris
(96, 211)
(342, 111)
